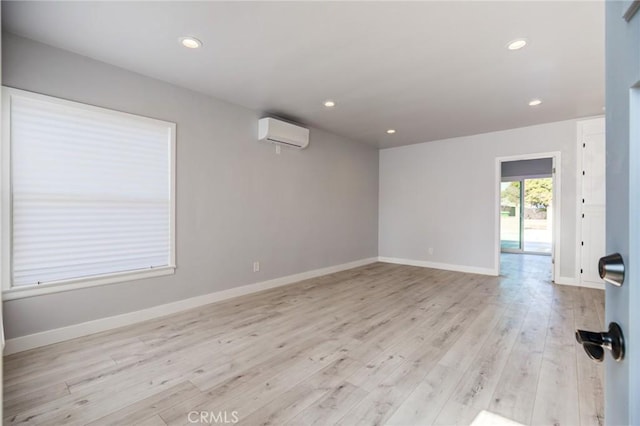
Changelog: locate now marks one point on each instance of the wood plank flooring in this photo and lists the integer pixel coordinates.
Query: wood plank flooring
(380, 344)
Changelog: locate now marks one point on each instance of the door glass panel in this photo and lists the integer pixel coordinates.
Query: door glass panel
(510, 215)
(538, 208)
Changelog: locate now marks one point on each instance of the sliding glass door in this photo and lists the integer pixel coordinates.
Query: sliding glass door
(510, 214)
(537, 218)
(526, 207)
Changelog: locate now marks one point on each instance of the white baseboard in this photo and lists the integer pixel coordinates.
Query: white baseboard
(575, 283)
(565, 281)
(436, 265)
(23, 343)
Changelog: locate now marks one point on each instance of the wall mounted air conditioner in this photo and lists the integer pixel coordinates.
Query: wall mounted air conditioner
(282, 133)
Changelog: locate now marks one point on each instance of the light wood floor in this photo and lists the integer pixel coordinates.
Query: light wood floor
(380, 344)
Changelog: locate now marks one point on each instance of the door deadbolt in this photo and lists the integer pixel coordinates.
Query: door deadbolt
(611, 269)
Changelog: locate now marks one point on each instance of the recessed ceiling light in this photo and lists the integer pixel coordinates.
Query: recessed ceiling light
(535, 102)
(391, 131)
(190, 42)
(517, 44)
(329, 103)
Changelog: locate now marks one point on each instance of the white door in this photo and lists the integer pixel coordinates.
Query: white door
(592, 178)
(622, 379)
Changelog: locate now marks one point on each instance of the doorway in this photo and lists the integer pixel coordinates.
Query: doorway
(528, 209)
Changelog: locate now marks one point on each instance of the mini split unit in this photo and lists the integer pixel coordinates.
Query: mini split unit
(282, 133)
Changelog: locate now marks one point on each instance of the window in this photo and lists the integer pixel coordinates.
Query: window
(88, 195)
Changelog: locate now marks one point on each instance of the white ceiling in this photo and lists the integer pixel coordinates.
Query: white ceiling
(431, 70)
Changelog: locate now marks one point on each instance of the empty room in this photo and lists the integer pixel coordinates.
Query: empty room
(319, 213)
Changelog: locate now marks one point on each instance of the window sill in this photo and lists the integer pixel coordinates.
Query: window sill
(86, 282)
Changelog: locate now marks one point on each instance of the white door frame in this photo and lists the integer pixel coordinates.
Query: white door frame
(556, 157)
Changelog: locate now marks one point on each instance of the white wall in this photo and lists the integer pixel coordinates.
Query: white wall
(441, 195)
(237, 201)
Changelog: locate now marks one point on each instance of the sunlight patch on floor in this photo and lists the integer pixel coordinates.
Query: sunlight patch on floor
(487, 418)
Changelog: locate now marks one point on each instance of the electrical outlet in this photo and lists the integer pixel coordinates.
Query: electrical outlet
(278, 149)
(430, 250)
(256, 266)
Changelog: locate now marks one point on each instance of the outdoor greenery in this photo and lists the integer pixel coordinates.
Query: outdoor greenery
(512, 193)
(537, 193)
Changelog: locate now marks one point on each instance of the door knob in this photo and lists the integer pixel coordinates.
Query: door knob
(611, 269)
(594, 344)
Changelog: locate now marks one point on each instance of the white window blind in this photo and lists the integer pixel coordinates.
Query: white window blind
(91, 191)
